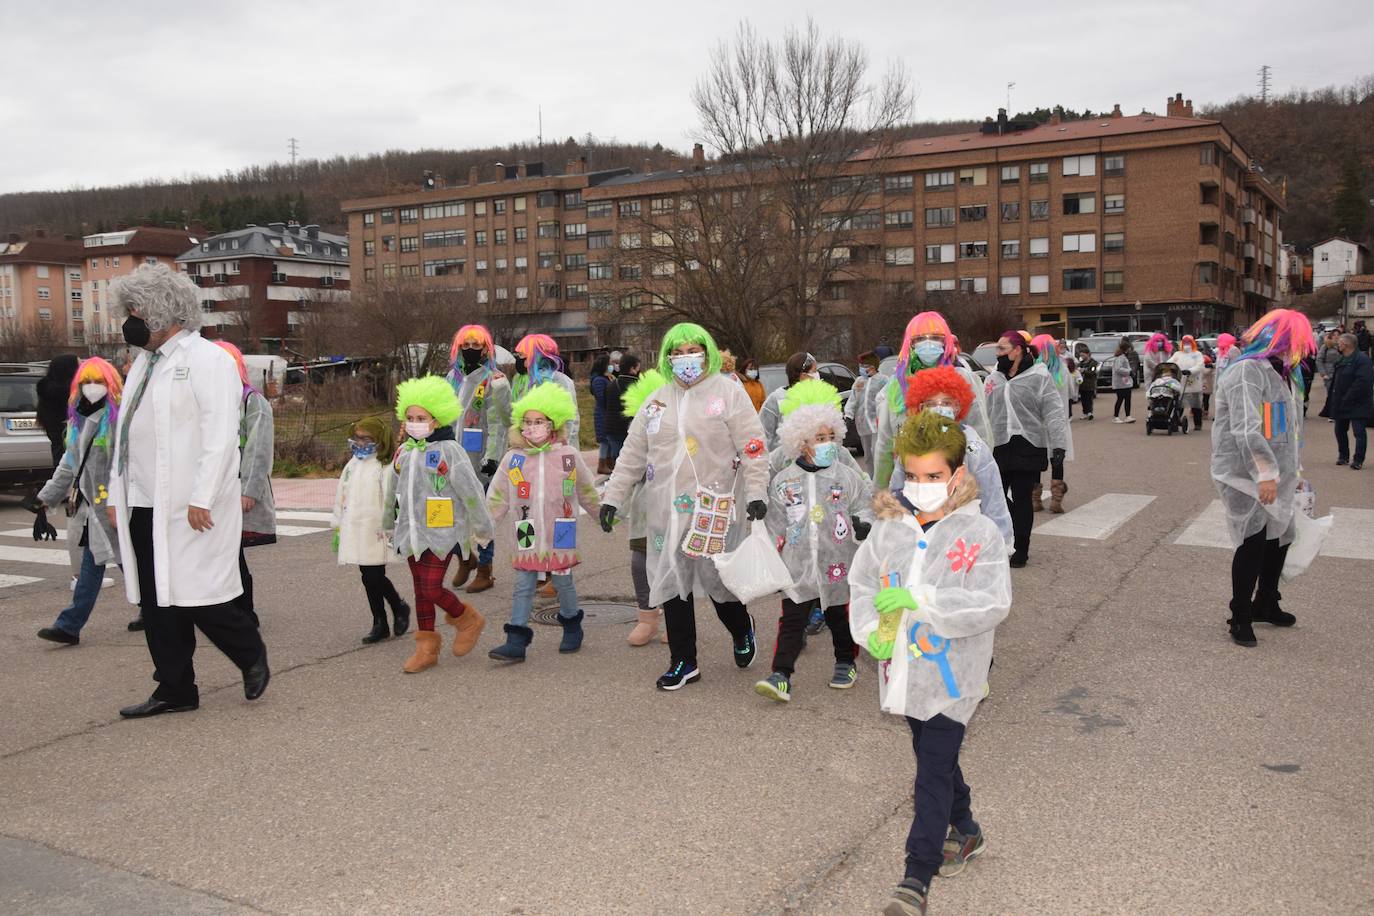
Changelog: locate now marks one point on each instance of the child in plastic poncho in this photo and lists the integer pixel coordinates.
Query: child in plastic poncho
(819, 508)
(698, 445)
(440, 510)
(862, 406)
(928, 588)
(1256, 443)
(535, 495)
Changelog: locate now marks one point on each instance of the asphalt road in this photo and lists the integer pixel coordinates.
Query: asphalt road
(1129, 758)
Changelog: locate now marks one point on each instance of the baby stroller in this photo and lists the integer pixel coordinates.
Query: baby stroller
(1165, 399)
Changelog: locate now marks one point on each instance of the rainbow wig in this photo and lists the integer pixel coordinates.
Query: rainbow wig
(237, 354)
(924, 324)
(810, 407)
(88, 371)
(1159, 341)
(680, 335)
(553, 401)
(1282, 334)
(1049, 355)
(540, 353)
(940, 380)
(434, 394)
(1225, 342)
(476, 333)
(650, 380)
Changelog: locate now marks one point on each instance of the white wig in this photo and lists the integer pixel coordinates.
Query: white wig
(806, 422)
(162, 296)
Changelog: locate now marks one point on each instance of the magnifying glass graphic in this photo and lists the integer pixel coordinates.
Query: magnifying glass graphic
(934, 648)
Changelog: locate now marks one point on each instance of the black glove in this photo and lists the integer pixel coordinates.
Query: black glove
(42, 529)
(861, 527)
(1057, 459)
(607, 518)
(489, 468)
(757, 510)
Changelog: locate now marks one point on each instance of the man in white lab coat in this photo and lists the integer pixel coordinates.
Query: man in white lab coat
(174, 490)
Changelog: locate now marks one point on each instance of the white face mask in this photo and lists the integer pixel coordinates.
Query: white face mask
(419, 429)
(945, 411)
(752, 373)
(688, 366)
(93, 391)
(926, 497)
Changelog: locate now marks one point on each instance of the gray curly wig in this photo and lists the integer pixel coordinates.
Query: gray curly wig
(163, 297)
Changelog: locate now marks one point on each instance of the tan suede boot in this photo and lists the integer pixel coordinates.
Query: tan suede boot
(1057, 490)
(464, 570)
(645, 630)
(426, 652)
(1036, 504)
(483, 581)
(466, 628)
(547, 590)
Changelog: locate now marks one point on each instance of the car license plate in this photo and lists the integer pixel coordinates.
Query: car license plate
(14, 425)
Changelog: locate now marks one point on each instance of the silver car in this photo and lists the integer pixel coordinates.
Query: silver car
(25, 455)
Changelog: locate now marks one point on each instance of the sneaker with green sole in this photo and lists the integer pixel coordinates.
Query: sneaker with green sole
(775, 687)
(909, 899)
(960, 849)
(844, 677)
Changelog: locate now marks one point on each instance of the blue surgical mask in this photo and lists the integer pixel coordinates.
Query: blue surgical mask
(824, 454)
(689, 366)
(944, 410)
(364, 451)
(929, 352)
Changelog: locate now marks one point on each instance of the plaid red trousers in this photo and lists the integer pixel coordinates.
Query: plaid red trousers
(429, 571)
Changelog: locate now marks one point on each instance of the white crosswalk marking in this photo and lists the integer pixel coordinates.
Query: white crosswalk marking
(10, 554)
(1207, 529)
(291, 531)
(28, 533)
(11, 581)
(293, 515)
(1351, 537)
(1098, 519)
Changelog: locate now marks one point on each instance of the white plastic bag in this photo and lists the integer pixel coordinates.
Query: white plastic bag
(1308, 537)
(1306, 498)
(754, 568)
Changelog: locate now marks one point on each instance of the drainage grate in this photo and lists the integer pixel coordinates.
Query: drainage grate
(596, 611)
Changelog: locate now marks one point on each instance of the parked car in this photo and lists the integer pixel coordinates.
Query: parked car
(986, 353)
(1102, 348)
(25, 455)
(888, 366)
(774, 376)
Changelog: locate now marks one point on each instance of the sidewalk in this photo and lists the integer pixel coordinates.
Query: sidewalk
(302, 493)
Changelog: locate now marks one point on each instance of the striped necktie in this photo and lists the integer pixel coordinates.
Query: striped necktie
(128, 413)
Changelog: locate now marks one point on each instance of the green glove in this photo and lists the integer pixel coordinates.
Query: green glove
(335, 545)
(878, 647)
(894, 599)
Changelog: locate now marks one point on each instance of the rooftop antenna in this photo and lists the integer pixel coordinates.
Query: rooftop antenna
(1010, 87)
(293, 145)
(541, 125)
(1264, 73)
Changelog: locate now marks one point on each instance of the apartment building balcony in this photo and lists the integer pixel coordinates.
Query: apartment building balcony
(1247, 215)
(1247, 251)
(1250, 285)
(1268, 291)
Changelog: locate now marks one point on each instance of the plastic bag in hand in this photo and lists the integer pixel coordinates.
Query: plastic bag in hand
(754, 568)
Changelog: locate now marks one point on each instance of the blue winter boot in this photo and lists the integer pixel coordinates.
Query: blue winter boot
(572, 633)
(517, 640)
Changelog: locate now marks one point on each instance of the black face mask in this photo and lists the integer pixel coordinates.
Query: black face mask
(471, 359)
(136, 332)
(1004, 365)
(520, 365)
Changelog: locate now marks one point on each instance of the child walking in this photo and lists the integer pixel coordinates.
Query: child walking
(440, 511)
(818, 510)
(929, 587)
(646, 627)
(540, 483)
(359, 523)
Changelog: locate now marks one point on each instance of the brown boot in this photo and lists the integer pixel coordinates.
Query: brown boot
(547, 590)
(1057, 490)
(1036, 504)
(483, 581)
(645, 630)
(465, 567)
(601, 469)
(466, 628)
(426, 652)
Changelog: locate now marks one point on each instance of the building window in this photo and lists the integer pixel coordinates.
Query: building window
(44, 292)
(576, 291)
(522, 234)
(45, 314)
(522, 264)
(388, 271)
(388, 216)
(1039, 171)
(1209, 154)
(498, 207)
(1039, 248)
(599, 209)
(410, 270)
(369, 274)
(547, 199)
(479, 238)
(939, 181)
(939, 216)
(898, 182)
(1080, 278)
(479, 208)
(899, 219)
(575, 231)
(630, 240)
(974, 176)
(661, 239)
(548, 229)
(1040, 209)
(500, 265)
(1114, 241)
(629, 208)
(598, 270)
(480, 266)
(1080, 165)
(388, 243)
(1011, 174)
(446, 210)
(1011, 286)
(940, 286)
(835, 291)
(1011, 249)
(443, 238)
(548, 291)
(409, 245)
(663, 269)
(973, 284)
(574, 262)
(369, 220)
(116, 260)
(547, 259)
(1040, 283)
(408, 215)
(522, 294)
(1113, 281)
(661, 205)
(1115, 203)
(498, 236)
(95, 263)
(974, 213)
(369, 247)
(865, 219)
(1207, 272)
(1011, 211)
(572, 200)
(600, 239)
(1079, 203)
(483, 296)
(520, 204)
(899, 257)
(1113, 166)
(971, 250)
(502, 294)
(939, 254)
(1080, 241)
(630, 272)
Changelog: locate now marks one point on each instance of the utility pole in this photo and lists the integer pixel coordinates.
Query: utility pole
(293, 145)
(541, 125)
(1010, 87)
(1264, 74)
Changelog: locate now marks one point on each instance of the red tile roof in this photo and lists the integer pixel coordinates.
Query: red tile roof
(1360, 283)
(149, 240)
(43, 251)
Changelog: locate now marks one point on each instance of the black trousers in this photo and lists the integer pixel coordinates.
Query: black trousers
(1123, 396)
(942, 798)
(171, 631)
(792, 634)
(1255, 572)
(1019, 485)
(380, 591)
(1085, 399)
(680, 617)
(244, 602)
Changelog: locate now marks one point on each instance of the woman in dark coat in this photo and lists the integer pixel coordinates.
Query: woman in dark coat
(603, 391)
(1350, 399)
(53, 389)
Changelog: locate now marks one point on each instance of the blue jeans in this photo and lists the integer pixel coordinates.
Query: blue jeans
(87, 590)
(522, 603)
(1343, 428)
(486, 553)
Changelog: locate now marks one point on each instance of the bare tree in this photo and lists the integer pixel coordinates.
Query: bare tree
(402, 323)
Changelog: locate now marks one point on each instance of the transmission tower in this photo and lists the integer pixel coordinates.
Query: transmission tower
(293, 145)
(1264, 73)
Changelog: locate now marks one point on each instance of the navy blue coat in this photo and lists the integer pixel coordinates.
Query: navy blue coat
(1352, 389)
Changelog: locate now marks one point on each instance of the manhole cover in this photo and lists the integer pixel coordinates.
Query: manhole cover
(594, 612)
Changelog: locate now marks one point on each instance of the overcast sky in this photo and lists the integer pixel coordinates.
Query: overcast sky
(100, 93)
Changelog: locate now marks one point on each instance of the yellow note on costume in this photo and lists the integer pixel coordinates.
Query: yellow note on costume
(438, 512)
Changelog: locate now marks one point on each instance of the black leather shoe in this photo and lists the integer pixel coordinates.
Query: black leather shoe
(1340, 462)
(400, 619)
(1243, 634)
(1017, 560)
(255, 678)
(53, 634)
(1356, 465)
(136, 624)
(155, 707)
(379, 632)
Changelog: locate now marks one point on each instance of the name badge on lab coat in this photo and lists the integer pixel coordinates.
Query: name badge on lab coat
(438, 512)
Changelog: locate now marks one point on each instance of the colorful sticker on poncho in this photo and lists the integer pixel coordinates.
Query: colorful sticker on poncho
(433, 457)
(648, 473)
(524, 535)
(565, 534)
(517, 462)
(933, 648)
(754, 448)
(523, 490)
(817, 515)
(472, 439)
(569, 464)
(836, 572)
(683, 503)
(840, 531)
(691, 443)
(962, 557)
(715, 407)
(836, 493)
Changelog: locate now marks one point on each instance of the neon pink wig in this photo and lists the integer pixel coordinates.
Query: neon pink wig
(1224, 343)
(89, 371)
(237, 354)
(923, 325)
(473, 333)
(1159, 341)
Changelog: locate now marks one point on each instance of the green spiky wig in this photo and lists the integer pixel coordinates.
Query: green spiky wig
(433, 393)
(809, 407)
(927, 432)
(551, 399)
(687, 333)
(650, 380)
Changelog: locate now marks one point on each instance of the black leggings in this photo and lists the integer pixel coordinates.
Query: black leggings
(379, 589)
(792, 633)
(1019, 485)
(679, 615)
(244, 602)
(1123, 396)
(1255, 574)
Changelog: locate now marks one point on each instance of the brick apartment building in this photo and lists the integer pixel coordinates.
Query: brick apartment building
(257, 282)
(1116, 223)
(40, 289)
(110, 255)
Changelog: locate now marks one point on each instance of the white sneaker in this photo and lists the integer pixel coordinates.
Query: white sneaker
(1117, 420)
(106, 582)
(1130, 419)
(73, 585)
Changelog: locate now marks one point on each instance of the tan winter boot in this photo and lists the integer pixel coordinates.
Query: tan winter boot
(1057, 490)
(547, 590)
(483, 581)
(466, 628)
(1036, 504)
(426, 652)
(645, 630)
(465, 567)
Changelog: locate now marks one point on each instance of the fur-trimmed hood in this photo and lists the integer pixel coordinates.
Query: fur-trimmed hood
(887, 507)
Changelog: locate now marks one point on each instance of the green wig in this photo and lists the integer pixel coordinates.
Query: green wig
(434, 394)
(551, 399)
(927, 432)
(810, 391)
(650, 380)
(809, 407)
(687, 333)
